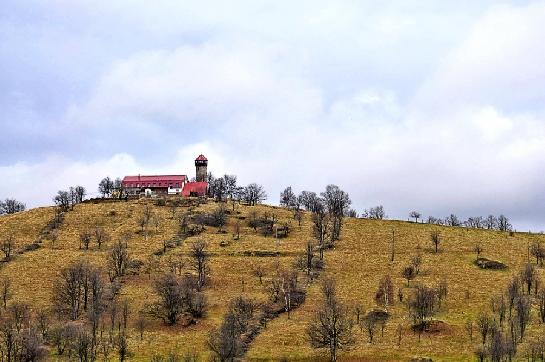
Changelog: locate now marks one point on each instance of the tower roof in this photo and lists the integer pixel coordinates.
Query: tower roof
(201, 158)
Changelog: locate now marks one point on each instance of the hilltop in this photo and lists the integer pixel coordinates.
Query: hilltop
(357, 262)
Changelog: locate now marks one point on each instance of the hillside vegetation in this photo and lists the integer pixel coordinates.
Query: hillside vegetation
(358, 261)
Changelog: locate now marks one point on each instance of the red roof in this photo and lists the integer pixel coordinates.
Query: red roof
(155, 178)
(201, 158)
(195, 188)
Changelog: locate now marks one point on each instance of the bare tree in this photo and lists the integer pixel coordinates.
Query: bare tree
(337, 203)
(309, 200)
(80, 193)
(478, 249)
(225, 341)
(7, 246)
(254, 194)
(321, 229)
(259, 272)
(84, 239)
(5, 290)
(106, 186)
(369, 324)
(422, 305)
(200, 258)
(331, 327)
(522, 308)
(62, 200)
(409, 273)
(11, 206)
(504, 224)
(491, 222)
(376, 213)
(288, 198)
(171, 304)
(101, 236)
(117, 260)
(416, 262)
(452, 220)
(435, 239)
(385, 293)
(484, 323)
(415, 215)
(528, 276)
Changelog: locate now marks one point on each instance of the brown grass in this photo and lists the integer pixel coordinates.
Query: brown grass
(358, 262)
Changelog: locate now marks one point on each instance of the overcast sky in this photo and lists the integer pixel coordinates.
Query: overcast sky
(430, 105)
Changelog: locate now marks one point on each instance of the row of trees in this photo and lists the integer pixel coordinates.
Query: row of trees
(490, 222)
(226, 188)
(11, 206)
(66, 199)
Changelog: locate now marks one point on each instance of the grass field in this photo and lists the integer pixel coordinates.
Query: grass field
(359, 260)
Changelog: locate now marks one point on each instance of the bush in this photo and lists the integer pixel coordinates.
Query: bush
(485, 263)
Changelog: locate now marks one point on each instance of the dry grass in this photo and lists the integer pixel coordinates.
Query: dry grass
(358, 262)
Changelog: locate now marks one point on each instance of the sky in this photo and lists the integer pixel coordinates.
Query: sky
(421, 105)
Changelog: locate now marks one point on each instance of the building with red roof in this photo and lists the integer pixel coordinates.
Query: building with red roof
(169, 184)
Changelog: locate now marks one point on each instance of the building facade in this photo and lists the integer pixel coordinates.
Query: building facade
(169, 184)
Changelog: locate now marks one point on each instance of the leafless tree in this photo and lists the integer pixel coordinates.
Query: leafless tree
(259, 272)
(478, 249)
(415, 215)
(308, 200)
(321, 228)
(288, 198)
(499, 307)
(376, 213)
(177, 296)
(528, 276)
(117, 260)
(538, 252)
(522, 308)
(288, 287)
(422, 305)
(101, 236)
(475, 222)
(409, 273)
(141, 324)
(5, 290)
(62, 200)
(200, 258)
(106, 186)
(254, 194)
(435, 239)
(385, 293)
(225, 341)
(452, 220)
(416, 262)
(441, 291)
(85, 239)
(171, 303)
(369, 324)
(7, 246)
(491, 222)
(504, 224)
(331, 327)
(484, 323)
(11, 206)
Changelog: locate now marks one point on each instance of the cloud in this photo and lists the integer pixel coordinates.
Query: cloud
(395, 105)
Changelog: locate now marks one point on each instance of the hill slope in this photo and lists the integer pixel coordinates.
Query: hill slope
(357, 263)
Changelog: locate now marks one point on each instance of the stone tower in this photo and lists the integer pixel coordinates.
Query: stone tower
(201, 164)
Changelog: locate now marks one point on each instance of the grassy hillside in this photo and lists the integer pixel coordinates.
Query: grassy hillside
(359, 260)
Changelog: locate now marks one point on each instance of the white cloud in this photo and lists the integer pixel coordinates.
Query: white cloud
(396, 105)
